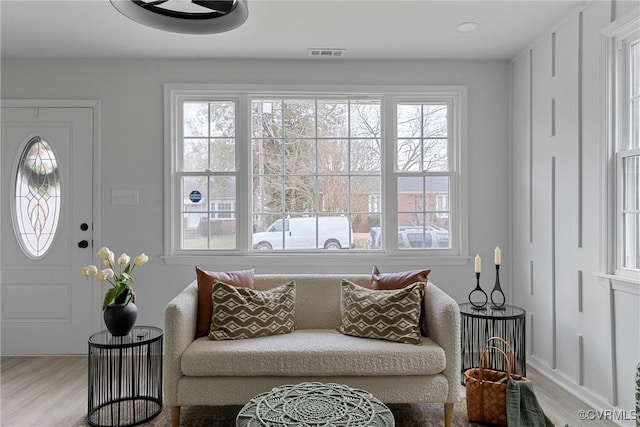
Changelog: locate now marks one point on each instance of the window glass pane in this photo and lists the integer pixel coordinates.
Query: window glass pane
(268, 194)
(435, 155)
(208, 212)
(631, 212)
(631, 244)
(194, 193)
(409, 155)
(422, 137)
(365, 119)
(333, 193)
(195, 119)
(223, 155)
(299, 118)
(37, 198)
(634, 95)
(634, 139)
(223, 119)
(300, 194)
(365, 155)
(268, 156)
(408, 121)
(410, 197)
(266, 118)
(210, 233)
(434, 121)
(635, 69)
(333, 119)
(195, 155)
(333, 156)
(300, 156)
(423, 212)
(195, 231)
(365, 194)
(631, 183)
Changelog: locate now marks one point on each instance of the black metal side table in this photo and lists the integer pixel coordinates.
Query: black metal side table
(480, 325)
(125, 377)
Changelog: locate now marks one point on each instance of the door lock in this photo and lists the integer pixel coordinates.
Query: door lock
(83, 244)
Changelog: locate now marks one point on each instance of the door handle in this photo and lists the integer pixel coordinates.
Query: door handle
(83, 244)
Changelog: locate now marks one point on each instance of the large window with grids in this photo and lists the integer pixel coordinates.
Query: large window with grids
(622, 54)
(624, 92)
(628, 155)
(282, 172)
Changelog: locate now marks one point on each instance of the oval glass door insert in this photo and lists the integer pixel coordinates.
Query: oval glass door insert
(37, 198)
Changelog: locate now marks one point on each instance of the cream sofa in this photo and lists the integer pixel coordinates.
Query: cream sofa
(203, 372)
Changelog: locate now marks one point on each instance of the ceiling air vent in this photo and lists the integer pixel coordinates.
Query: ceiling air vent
(326, 53)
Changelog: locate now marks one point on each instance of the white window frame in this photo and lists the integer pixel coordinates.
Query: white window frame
(616, 38)
(242, 257)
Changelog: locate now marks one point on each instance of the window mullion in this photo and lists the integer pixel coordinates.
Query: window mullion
(389, 175)
(244, 184)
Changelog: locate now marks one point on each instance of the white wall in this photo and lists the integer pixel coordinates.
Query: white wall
(581, 330)
(131, 93)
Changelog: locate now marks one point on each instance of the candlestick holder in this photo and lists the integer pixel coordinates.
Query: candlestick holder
(497, 291)
(478, 304)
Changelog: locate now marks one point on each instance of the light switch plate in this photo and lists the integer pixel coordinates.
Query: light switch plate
(124, 197)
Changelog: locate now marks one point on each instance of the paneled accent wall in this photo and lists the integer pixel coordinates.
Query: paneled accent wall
(583, 332)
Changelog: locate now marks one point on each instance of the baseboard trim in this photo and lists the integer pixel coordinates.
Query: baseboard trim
(589, 397)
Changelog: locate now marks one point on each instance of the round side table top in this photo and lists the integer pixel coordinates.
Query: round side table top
(315, 404)
(508, 312)
(139, 335)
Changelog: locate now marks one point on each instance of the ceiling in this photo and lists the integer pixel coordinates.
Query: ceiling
(286, 29)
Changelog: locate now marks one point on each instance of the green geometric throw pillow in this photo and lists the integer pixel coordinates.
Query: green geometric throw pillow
(240, 313)
(392, 315)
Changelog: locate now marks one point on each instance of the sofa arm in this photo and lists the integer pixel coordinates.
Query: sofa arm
(442, 316)
(179, 331)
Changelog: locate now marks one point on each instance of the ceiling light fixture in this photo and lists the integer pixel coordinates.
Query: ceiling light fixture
(186, 16)
(467, 27)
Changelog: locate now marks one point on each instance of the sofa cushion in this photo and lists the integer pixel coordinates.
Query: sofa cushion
(311, 352)
(205, 279)
(240, 313)
(387, 281)
(392, 315)
(399, 280)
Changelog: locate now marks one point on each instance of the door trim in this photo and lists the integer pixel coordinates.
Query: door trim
(95, 105)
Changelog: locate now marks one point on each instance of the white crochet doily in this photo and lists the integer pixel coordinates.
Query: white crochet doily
(315, 404)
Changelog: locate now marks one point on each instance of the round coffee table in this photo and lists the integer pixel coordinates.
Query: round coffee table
(315, 404)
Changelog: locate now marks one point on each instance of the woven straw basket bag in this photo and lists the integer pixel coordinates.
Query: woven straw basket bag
(487, 388)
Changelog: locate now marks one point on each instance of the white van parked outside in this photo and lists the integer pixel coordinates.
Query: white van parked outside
(324, 232)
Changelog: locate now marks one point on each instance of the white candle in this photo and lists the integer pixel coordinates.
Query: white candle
(478, 263)
(498, 255)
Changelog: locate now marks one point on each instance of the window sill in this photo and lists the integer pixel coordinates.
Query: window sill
(621, 283)
(314, 263)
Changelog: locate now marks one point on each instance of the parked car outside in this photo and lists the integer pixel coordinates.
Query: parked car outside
(333, 232)
(412, 237)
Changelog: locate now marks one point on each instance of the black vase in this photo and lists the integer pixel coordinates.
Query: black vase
(119, 316)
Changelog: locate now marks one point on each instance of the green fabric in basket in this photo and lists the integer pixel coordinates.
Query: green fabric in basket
(523, 408)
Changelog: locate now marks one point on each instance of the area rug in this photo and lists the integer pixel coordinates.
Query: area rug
(406, 415)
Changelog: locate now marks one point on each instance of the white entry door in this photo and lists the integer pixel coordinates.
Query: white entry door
(46, 229)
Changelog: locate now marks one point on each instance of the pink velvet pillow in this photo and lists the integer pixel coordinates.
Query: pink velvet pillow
(206, 279)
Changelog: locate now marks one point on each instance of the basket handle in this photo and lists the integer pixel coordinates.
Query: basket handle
(508, 349)
(484, 362)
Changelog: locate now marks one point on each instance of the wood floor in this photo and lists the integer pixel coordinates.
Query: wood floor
(51, 391)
